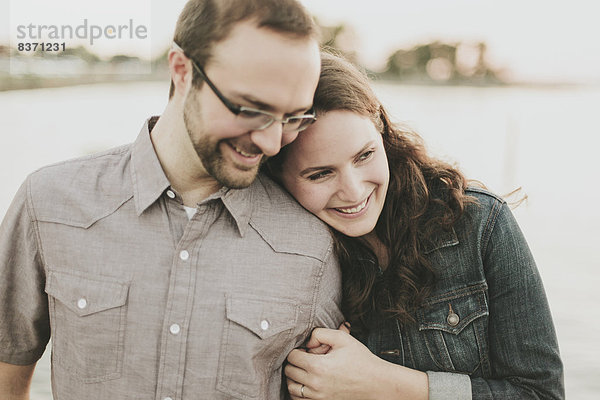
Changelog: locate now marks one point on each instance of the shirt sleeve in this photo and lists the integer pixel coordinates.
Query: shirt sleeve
(449, 386)
(24, 321)
(523, 349)
(329, 294)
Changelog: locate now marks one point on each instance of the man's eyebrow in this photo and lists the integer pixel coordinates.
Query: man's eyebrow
(299, 111)
(268, 107)
(257, 103)
(322, 167)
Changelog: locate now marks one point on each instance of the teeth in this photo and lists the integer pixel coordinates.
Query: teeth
(242, 152)
(353, 210)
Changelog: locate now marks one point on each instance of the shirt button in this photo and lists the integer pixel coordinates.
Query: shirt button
(81, 303)
(184, 255)
(171, 194)
(175, 329)
(264, 324)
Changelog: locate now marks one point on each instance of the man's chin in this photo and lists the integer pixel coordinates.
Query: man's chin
(236, 178)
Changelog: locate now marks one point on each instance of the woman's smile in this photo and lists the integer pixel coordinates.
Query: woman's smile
(353, 211)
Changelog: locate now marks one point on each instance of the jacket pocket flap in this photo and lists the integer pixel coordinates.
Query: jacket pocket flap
(454, 314)
(85, 295)
(263, 317)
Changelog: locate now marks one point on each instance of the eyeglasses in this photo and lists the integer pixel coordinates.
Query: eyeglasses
(253, 119)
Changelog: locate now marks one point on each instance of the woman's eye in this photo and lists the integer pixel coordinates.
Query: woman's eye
(366, 155)
(318, 175)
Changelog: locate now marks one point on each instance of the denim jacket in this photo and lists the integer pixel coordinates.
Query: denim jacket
(486, 331)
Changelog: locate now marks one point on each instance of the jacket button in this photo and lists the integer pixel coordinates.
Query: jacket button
(453, 319)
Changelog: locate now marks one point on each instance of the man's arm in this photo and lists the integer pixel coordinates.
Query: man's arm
(329, 297)
(24, 320)
(15, 381)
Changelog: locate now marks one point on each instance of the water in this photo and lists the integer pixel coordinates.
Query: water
(544, 140)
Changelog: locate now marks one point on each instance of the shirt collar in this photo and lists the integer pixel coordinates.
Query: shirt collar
(150, 182)
(148, 177)
(239, 203)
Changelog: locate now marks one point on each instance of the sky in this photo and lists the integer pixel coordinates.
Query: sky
(533, 40)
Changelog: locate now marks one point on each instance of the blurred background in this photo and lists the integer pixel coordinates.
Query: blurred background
(507, 90)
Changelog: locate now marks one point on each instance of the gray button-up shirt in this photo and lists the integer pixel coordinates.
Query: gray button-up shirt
(143, 303)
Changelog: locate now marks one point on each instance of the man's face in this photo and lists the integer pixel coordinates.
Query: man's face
(256, 68)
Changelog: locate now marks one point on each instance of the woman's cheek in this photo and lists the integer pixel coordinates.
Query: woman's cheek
(313, 198)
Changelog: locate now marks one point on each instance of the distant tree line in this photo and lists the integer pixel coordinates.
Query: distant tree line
(429, 63)
(434, 62)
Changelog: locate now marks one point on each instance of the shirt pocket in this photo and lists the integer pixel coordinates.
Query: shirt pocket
(87, 316)
(454, 330)
(257, 338)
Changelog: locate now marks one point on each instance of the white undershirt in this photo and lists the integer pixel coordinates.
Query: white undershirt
(190, 211)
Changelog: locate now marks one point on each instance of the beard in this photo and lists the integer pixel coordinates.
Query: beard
(223, 170)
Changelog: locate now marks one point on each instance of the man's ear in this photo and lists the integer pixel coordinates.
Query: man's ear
(181, 70)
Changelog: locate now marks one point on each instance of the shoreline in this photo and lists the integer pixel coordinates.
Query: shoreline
(29, 82)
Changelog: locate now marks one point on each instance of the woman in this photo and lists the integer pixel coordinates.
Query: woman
(440, 290)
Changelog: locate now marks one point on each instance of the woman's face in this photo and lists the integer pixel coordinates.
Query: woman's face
(338, 170)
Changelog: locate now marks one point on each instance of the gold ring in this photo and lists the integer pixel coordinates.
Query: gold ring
(302, 391)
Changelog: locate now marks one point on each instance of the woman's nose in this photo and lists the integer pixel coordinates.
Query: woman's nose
(351, 187)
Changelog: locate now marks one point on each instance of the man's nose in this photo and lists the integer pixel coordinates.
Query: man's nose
(268, 139)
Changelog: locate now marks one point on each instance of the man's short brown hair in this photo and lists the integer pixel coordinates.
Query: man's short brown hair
(203, 23)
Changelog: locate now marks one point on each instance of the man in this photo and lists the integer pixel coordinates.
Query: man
(166, 269)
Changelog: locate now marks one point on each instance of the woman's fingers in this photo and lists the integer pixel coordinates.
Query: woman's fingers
(322, 349)
(297, 390)
(345, 327)
(315, 347)
(295, 373)
(301, 359)
(325, 336)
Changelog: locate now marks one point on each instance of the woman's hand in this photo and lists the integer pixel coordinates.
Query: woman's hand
(314, 347)
(348, 371)
(342, 372)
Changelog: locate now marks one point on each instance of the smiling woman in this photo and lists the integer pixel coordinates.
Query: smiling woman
(345, 186)
(442, 293)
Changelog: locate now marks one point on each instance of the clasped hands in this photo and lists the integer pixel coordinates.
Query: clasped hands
(336, 366)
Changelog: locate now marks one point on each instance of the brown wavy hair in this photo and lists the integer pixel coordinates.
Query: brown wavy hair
(425, 196)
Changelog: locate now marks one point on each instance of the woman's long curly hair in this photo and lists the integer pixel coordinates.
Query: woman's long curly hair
(425, 196)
